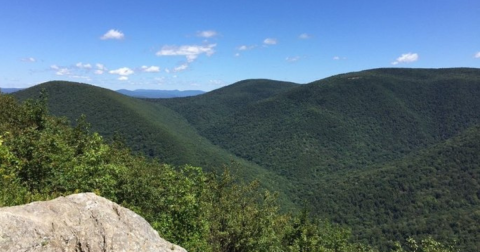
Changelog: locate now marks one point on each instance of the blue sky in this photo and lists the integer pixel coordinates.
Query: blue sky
(209, 44)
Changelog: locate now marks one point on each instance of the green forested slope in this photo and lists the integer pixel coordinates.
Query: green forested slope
(148, 128)
(43, 157)
(325, 135)
(344, 144)
(435, 191)
(350, 121)
(205, 110)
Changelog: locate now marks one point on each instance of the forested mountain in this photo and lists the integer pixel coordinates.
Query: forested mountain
(391, 153)
(205, 110)
(318, 134)
(148, 128)
(43, 157)
(342, 122)
(433, 192)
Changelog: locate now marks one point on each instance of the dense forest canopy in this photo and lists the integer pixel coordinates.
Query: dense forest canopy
(389, 153)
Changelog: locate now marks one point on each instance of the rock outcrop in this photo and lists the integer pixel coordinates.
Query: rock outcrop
(81, 223)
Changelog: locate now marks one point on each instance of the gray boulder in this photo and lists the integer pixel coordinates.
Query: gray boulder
(81, 223)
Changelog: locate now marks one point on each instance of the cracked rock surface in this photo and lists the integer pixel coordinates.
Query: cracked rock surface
(82, 223)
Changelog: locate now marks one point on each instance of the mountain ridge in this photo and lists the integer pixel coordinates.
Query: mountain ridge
(147, 128)
(315, 141)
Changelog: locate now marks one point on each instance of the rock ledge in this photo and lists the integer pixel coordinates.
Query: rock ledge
(81, 223)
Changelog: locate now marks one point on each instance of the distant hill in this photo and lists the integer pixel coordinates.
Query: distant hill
(153, 93)
(9, 90)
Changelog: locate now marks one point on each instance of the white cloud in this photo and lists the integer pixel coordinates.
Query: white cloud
(339, 58)
(477, 55)
(124, 71)
(191, 52)
(81, 65)
(100, 68)
(293, 59)
(181, 68)
(245, 47)
(63, 71)
(59, 70)
(207, 34)
(406, 58)
(29, 59)
(270, 41)
(237, 55)
(123, 78)
(150, 69)
(304, 36)
(113, 34)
